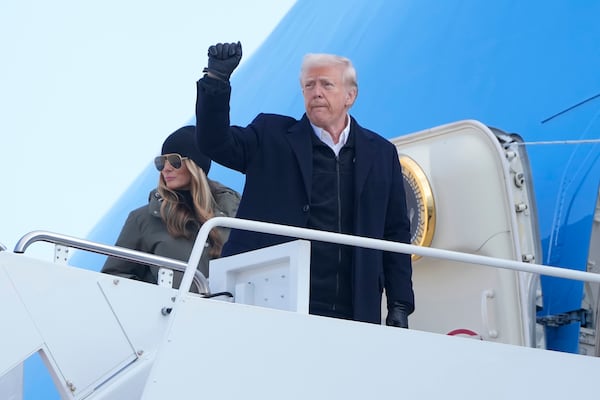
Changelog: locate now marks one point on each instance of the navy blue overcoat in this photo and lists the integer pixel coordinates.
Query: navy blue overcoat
(275, 154)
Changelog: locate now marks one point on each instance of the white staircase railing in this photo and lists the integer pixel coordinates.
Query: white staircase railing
(310, 234)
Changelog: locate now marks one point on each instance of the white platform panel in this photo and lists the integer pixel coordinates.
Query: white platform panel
(87, 326)
(275, 277)
(18, 329)
(11, 384)
(260, 353)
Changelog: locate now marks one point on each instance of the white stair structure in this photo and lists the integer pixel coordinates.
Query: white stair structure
(108, 338)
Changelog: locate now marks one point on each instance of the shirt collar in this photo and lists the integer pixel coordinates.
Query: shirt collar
(326, 138)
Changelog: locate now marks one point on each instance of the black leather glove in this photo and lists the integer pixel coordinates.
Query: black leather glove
(397, 315)
(222, 59)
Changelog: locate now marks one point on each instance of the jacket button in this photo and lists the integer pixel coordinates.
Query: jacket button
(306, 208)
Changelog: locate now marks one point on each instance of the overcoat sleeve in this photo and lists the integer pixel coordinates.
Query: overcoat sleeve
(398, 266)
(130, 237)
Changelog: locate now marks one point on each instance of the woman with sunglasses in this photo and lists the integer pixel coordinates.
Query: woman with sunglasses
(184, 200)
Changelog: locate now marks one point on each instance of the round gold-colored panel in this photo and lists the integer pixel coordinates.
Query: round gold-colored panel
(419, 203)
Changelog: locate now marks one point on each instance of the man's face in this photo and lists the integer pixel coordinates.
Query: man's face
(326, 98)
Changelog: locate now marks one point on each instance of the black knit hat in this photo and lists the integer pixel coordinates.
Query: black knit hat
(183, 142)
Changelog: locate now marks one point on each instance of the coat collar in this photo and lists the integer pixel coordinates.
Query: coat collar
(300, 141)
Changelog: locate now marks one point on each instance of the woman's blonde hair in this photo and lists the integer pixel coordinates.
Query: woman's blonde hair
(179, 219)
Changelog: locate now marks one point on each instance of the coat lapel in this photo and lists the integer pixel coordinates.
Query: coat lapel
(301, 143)
(364, 151)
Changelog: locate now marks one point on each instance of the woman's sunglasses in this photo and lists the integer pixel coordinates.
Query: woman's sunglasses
(173, 159)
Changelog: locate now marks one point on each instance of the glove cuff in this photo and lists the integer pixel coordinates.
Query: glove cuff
(397, 315)
(219, 75)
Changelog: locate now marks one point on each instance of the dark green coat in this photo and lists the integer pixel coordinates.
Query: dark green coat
(145, 231)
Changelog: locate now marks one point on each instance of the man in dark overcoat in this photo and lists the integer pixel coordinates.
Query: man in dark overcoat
(323, 172)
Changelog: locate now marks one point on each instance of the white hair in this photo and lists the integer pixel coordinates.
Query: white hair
(312, 60)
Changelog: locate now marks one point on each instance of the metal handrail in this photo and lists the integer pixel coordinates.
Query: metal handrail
(377, 244)
(114, 251)
(190, 275)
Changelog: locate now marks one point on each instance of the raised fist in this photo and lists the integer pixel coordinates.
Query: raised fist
(223, 58)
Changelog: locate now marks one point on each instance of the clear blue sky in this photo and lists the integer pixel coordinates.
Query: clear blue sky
(88, 91)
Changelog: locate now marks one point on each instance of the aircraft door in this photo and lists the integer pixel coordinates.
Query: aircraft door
(468, 190)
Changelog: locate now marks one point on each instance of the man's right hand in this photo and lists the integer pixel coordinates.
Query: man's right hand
(223, 58)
